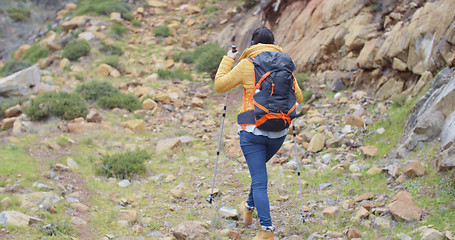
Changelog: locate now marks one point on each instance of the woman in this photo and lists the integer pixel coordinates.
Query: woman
(258, 146)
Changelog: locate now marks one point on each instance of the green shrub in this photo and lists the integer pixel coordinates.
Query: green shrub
(111, 49)
(399, 101)
(76, 49)
(301, 77)
(72, 36)
(187, 57)
(13, 66)
(112, 61)
(60, 104)
(162, 31)
(35, 53)
(18, 14)
(307, 94)
(128, 16)
(8, 102)
(79, 76)
(208, 57)
(120, 100)
(94, 90)
(136, 23)
(101, 7)
(176, 57)
(117, 29)
(175, 74)
(58, 228)
(211, 9)
(123, 165)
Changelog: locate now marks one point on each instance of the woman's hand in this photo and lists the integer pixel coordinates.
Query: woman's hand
(232, 54)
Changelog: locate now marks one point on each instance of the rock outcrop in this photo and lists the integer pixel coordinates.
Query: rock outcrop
(22, 83)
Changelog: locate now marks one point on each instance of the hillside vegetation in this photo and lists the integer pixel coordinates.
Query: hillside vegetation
(119, 138)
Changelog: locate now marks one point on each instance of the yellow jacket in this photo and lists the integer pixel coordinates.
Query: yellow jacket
(243, 73)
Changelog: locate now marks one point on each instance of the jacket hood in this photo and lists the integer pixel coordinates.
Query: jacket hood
(254, 50)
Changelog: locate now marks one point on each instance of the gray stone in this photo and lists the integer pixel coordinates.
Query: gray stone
(190, 230)
(326, 158)
(448, 131)
(124, 183)
(447, 159)
(22, 83)
(432, 234)
(71, 163)
(403, 236)
(382, 223)
(228, 212)
(17, 219)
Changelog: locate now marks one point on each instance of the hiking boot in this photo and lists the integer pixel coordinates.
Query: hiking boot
(264, 235)
(247, 213)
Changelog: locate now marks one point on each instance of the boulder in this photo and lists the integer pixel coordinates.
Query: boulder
(21, 51)
(413, 168)
(137, 125)
(7, 123)
(190, 230)
(148, 104)
(75, 23)
(13, 111)
(330, 211)
(432, 234)
(166, 144)
(63, 63)
(104, 70)
(116, 17)
(94, 116)
(403, 207)
(70, 7)
(17, 219)
(317, 143)
(156, 4)
(127, 215)
(23, 83)
(369, 151)
(355, 121)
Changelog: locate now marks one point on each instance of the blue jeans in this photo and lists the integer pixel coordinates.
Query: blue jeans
(257, 151)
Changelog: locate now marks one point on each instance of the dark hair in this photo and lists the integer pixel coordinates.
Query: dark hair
(262, 35)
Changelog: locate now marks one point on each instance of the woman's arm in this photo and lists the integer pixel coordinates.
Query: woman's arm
(298, 92)
(227, 77)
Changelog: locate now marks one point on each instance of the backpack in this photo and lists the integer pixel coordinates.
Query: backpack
(273, 96)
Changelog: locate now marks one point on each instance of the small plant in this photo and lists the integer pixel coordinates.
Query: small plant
(35, 53)
(59, 228)
(162, 31)
(94, 90)
(399, 101)
(208, 57)
(79, 76)
(111, 49)
(176, 57)
(76, 49)
(120, 100)
(123, 165)
(176, 74)
(301, 77)
(101, 7)
(117, 29)
(128, 16)
(112, 61)
(136, 23)
(211, 9)
(18, 14)
(307, 94)
(13, 66)
(187, 57)
(60, 104)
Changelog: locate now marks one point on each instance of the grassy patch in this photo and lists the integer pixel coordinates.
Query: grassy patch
(35, 53)
(111, 49)
(16, 164)
(60, 104)
(394, 124)
(101, 7)
(13, 66)
(112, 61)
(162, 31)
(117, 29)
(123, 165)
(94, 90)
(120, 100)
(19, 14)
(301, 78)
(174, 74)
(76, 49)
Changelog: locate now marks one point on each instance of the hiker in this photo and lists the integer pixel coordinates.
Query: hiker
(258, 146)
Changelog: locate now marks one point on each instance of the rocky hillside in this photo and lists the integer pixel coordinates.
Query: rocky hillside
(110, 123)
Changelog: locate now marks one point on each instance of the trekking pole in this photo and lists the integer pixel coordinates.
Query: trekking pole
(212, 196)
(298, 171)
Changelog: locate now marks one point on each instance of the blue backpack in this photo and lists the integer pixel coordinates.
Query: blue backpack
(273, 96)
